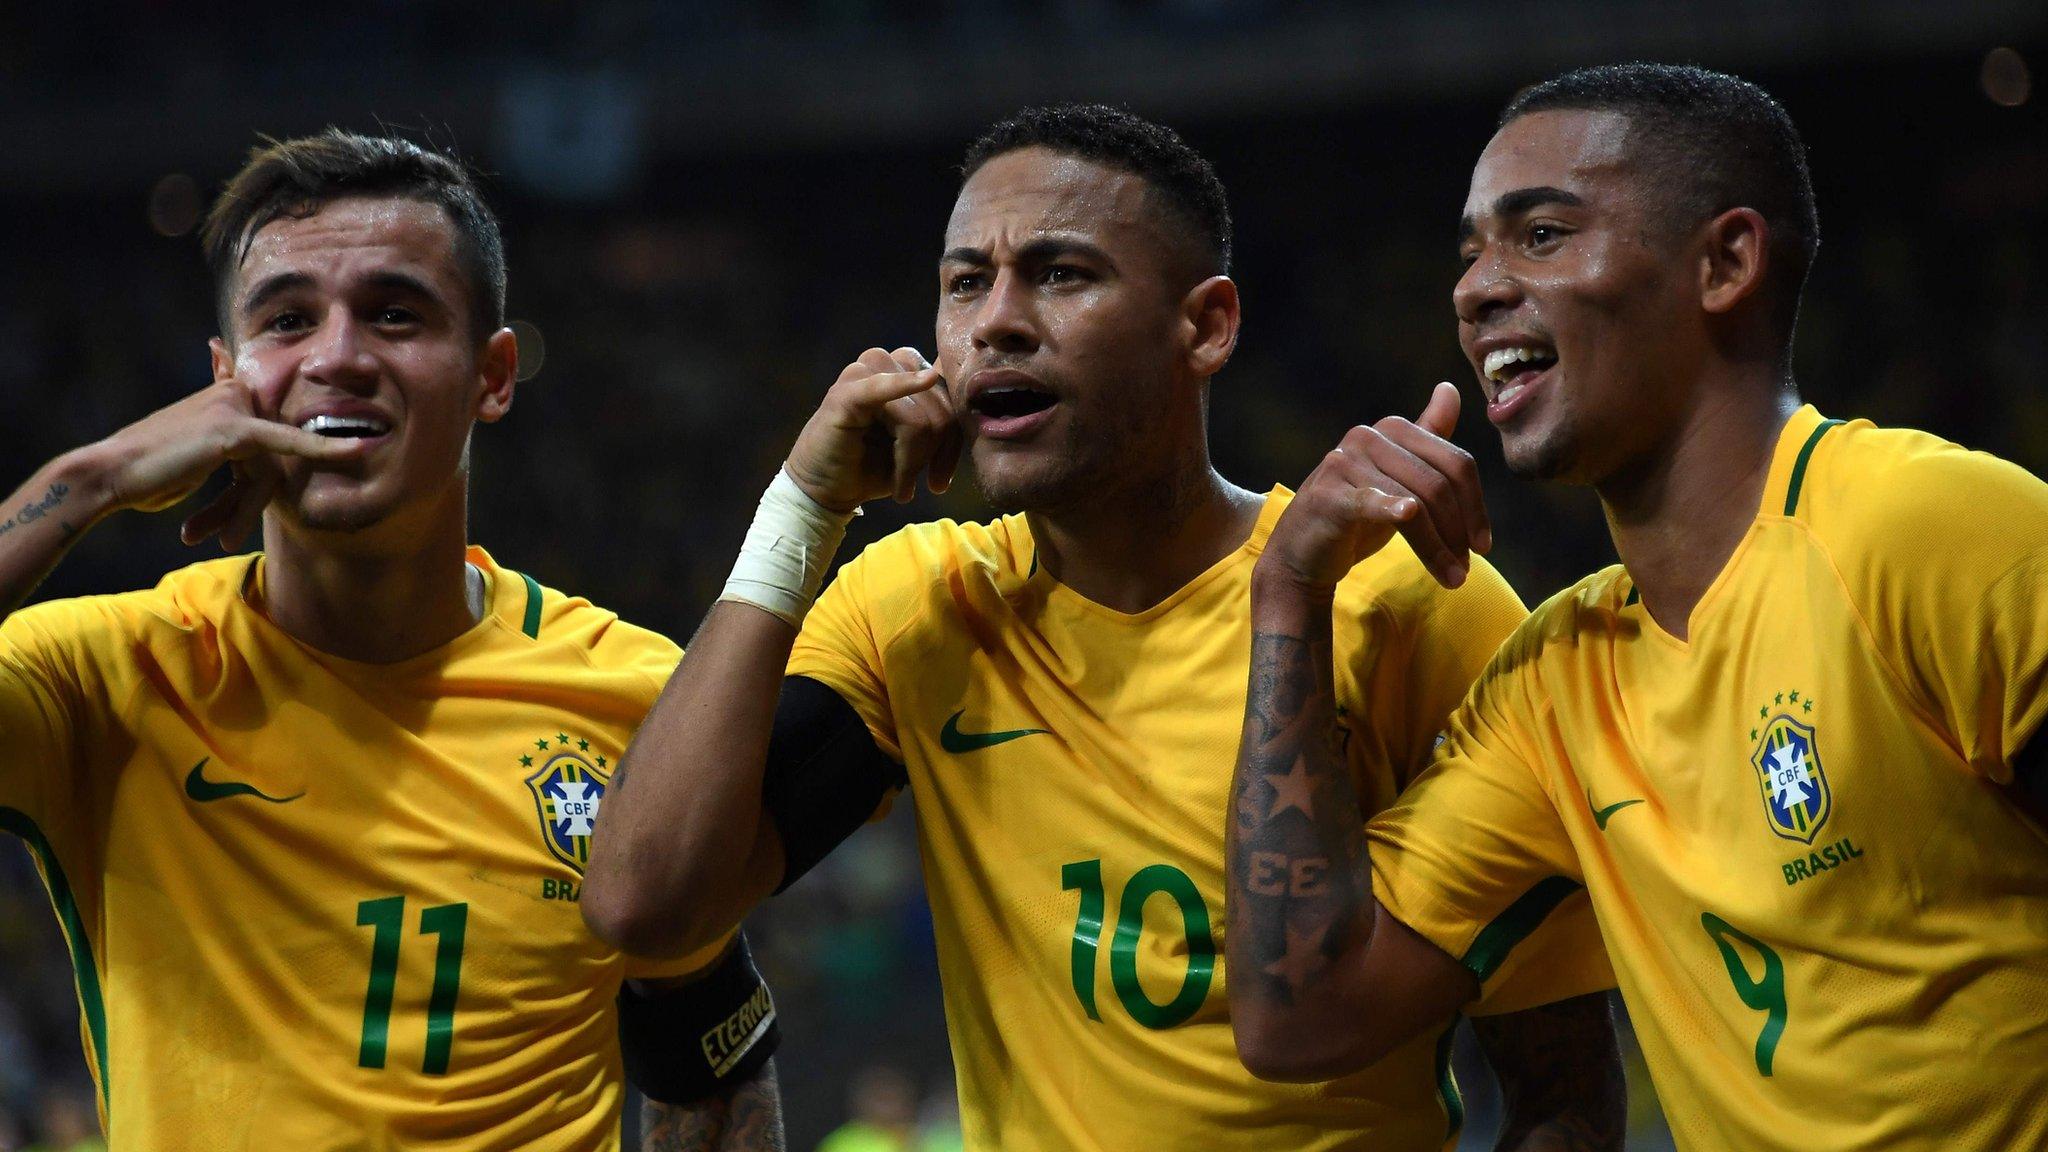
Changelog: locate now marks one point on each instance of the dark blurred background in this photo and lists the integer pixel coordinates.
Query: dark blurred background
(710, 208)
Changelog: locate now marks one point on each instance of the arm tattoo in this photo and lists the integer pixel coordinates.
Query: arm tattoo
(1560, 1077)
(1297, 842)
(745, 1118)
(35, 510)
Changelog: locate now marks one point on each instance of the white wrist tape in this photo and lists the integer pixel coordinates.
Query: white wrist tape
(782, 563)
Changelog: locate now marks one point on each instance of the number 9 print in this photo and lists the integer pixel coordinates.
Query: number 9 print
(1766, 995)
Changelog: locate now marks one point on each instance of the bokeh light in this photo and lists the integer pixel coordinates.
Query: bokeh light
(533, 348)
(2005, 77)
(174, 205)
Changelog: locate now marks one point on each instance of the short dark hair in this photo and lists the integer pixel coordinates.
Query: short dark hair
(1184, 181)
(1723, 143)
(295, 177)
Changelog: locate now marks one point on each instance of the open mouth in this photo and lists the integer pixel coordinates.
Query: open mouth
(346, 427)
(1514, 369)
(1009, 411)
(1009, 403)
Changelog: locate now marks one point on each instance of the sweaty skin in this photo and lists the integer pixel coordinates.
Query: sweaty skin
(1058, 278)
(1665, 395)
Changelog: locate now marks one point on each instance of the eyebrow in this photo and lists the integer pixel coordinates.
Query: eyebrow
(1038, 251)
(1518, 202)
(271, 287)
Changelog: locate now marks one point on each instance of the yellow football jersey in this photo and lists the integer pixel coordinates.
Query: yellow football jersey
(1071, 769)
(1829, 921)
(314, 904)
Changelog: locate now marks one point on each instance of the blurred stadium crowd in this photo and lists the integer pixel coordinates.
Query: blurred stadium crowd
(680, 330)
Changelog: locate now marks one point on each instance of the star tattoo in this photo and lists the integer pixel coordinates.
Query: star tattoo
(1297, 789)
(1303, 960)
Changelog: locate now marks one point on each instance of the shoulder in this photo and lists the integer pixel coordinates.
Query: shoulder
(1588, 610)
(1878, 498)
(557, 620)
(1394, 583)
(922, 561)
(186, 598)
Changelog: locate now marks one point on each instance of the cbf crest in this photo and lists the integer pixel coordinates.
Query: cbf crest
(1796, 795)
(568, 789)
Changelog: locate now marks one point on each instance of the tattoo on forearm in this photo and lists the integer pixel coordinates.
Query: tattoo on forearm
(1297, 843)
(35, 510)
(1561, 1081)
(748, 1118)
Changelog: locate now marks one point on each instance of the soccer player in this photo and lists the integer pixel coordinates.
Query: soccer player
(314, 820)
(1059, 689)
(1780, 744)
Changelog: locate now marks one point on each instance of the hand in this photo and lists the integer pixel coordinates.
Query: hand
(1395, 476)
(886, 421)
(164, 457)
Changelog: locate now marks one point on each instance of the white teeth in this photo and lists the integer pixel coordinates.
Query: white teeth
(1508, 393)
(1501, 358)
(345, 425)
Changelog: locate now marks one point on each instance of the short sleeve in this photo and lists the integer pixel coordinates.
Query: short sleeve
(1433, 643)
(653, 656)
(1948, 561)
(1474, 857)
(41, 700)
(838, 647)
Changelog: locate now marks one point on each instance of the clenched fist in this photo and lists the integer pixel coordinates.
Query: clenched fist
(885, 422)
(1395, 476)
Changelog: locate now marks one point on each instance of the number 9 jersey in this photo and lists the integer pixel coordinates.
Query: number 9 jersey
(1071, 768)
(1828, 914)
(320, 905)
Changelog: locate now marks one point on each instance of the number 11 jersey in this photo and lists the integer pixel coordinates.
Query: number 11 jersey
(320, 905)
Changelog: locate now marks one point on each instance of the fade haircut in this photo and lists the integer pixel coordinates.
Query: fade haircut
(294, 178)
(1717, 142)
(1182, 181)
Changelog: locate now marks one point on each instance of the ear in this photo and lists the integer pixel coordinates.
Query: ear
(1734, 259)
(223, 360)
(497, 371)
(1209, 317)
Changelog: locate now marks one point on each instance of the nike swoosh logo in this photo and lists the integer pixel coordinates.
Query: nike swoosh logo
(199, 788)
(1602, 815)
(952, 739)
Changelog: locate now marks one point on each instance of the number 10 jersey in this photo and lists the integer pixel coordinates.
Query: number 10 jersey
(1071, 768)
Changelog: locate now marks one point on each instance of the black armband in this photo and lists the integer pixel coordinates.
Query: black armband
(2030, 777)
(825, 775)
(687, 1044)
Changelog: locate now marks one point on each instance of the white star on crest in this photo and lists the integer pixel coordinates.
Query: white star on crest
(1789, 775)
(577, 807)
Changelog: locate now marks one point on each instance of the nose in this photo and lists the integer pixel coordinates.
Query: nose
(1485, 289)
(337, 354)
(1007, 320)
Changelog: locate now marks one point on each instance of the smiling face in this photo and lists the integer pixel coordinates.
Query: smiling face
(354, 321)
(1578, 308)
(1060, 331)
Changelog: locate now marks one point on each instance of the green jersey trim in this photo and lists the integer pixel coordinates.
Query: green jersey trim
(531, 625)
(1799, 465)
(1447, 1086)
(82, 967)
(1491, 947)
